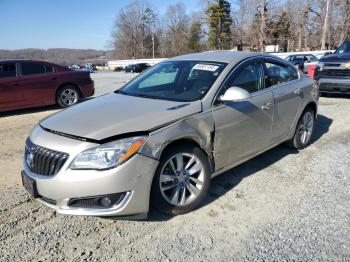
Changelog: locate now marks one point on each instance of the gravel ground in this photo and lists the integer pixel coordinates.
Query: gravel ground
(283, 205)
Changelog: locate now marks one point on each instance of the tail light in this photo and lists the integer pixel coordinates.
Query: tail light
(311, 71)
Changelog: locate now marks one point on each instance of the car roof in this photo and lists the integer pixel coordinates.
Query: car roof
(227, 56)
(22, 60)
(301, 54)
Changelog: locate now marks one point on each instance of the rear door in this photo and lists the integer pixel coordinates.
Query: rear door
(10, 98)
(288, 95)
(38, 83)
(243, 128)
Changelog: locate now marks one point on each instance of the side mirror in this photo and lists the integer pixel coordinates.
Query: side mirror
(235, 94)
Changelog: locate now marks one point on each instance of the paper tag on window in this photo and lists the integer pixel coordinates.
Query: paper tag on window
(205, 67)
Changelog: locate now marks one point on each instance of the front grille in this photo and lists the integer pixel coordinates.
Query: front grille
(334, 73)
(43, 161)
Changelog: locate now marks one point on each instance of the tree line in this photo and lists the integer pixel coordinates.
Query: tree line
(63, 56)
(294, 25)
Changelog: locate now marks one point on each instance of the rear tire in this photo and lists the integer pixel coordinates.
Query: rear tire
(182, 180)
(304, 130)
(67, 95)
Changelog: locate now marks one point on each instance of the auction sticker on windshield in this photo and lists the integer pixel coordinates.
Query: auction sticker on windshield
(206, 67)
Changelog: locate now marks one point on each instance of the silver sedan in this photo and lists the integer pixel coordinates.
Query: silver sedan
(162, 137)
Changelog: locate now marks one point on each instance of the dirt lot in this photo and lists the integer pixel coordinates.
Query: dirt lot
(282, 205)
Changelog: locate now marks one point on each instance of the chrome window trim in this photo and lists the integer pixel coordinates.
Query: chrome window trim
(266, 89)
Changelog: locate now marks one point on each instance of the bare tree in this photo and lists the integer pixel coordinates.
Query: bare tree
(262, 37)
(345, 20)
(292, 24)
(177, 22)
(325, 27)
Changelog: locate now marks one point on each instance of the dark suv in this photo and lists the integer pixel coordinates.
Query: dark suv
(333, 71)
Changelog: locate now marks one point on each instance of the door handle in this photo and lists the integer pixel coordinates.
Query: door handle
(266, 106)
(14, 84)
(298, 91)
(54, 78)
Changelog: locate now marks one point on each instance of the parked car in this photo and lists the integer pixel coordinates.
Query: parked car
(75, 67)
(88, 68)
(27, 83)
(118, 69)
(303, 61)
(167, 133)
(136, 68)
(333, 71)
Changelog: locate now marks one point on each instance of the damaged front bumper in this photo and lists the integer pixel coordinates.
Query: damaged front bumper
(131, 182)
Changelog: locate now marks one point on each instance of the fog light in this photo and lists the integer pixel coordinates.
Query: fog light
(106, 202)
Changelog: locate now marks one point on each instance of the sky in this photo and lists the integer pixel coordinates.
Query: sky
(66, 23)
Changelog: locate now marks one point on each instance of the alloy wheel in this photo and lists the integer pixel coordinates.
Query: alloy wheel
(182, 179)
(306, 127)
(69, 97)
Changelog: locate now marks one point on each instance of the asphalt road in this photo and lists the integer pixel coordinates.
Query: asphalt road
(283, 205)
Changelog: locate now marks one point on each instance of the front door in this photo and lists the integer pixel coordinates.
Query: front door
(243, 128)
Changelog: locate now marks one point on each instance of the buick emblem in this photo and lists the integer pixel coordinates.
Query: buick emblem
(29, 159)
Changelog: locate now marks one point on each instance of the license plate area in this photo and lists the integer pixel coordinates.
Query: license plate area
(30, 185)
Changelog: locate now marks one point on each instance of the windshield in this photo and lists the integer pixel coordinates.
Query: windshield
(344, 48)
(175, 80)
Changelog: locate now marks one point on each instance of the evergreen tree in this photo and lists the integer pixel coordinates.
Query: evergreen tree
(281, 31)
(194, 43)
(219, 22)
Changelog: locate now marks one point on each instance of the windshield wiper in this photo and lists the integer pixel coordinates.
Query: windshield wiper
(149, 96)
(120, 92)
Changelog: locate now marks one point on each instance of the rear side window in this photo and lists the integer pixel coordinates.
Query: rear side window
(279, 74)
(49, 69)
(312, 58)
(32, 69)
(7, 70)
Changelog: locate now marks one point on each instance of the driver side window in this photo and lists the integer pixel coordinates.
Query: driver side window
(249, 77)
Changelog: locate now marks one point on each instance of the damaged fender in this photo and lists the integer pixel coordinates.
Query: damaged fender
(198, 128)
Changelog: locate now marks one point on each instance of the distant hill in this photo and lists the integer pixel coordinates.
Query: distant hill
(63, 56)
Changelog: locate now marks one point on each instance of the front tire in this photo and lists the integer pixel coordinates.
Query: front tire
(304, 130)
(67, 96)
(182, 180)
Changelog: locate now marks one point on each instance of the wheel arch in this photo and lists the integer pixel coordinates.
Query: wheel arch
(311, 105)
(188, 141)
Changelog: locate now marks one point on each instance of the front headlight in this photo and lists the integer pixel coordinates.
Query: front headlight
(320, 66)
(108, 155)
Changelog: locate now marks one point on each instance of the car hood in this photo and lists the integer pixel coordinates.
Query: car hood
(343, 57)
(116, 114)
